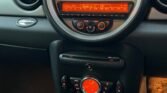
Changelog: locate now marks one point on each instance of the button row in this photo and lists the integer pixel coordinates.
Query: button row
(74, 85)
(92, 26)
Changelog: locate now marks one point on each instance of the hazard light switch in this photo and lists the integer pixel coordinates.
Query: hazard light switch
(90, 85)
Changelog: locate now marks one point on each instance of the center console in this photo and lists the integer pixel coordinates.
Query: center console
(90, 58)
(96, 69)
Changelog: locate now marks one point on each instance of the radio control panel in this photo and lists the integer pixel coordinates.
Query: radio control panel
(92, 25)
(90, 84)
(93, 17)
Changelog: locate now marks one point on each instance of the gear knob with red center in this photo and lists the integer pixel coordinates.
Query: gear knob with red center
(90, 85)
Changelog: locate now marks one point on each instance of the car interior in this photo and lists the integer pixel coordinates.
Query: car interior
(83, 46)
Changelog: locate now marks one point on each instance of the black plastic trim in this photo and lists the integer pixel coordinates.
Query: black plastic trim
(99, 60)
(160, 6)
(28, 6)
(11, 54)
(39, 36)
(150, 37)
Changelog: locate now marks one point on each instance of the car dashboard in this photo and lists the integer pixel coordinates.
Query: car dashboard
(26, 34)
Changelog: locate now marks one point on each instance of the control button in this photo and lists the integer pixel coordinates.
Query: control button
(101, 26)
(90, 85)
(108, 23)
(119, 87)
(107, 87)
(90, 28)
(64, 82)
(80, 25)
(76, 84)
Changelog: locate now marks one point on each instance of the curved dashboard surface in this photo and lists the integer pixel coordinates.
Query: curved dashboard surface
(150, 36)
(95, 20)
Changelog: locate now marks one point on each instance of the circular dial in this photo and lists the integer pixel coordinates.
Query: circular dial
(95, 20)
(90, 85)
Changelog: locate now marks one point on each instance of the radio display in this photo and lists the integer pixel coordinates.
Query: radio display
(95, 7)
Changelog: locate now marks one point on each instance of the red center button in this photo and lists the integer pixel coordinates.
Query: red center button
(90, 85)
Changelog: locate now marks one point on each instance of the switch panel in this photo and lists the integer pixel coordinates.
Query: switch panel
(90, 85)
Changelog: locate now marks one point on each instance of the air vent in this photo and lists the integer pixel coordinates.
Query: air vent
(28, 4)
(161, 5)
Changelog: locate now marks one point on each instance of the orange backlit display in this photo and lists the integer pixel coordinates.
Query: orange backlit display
(95, 7)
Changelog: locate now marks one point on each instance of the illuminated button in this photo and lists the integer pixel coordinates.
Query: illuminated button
(119, 87)
(90, 85)
(107, 87)
(80, 25)
(101, 26)
(64, 82)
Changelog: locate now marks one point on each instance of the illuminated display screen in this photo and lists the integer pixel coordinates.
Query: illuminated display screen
(157, 85)
(95, 7)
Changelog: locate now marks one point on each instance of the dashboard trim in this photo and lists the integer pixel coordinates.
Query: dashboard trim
(156, 15)
(9, 7)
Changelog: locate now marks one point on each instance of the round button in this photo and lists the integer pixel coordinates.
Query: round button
(80, 25)
(101, 26)
(90, 85)
(90, 28)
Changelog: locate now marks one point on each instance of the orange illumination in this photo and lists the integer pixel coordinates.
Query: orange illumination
(157, 84)
(90, 86)
(95, 7)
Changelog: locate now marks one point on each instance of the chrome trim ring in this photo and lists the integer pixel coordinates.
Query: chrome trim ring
(67, 32)
(161, 3)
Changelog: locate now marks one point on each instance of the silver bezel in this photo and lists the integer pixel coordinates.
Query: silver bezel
(161, 3)
(92, 38)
